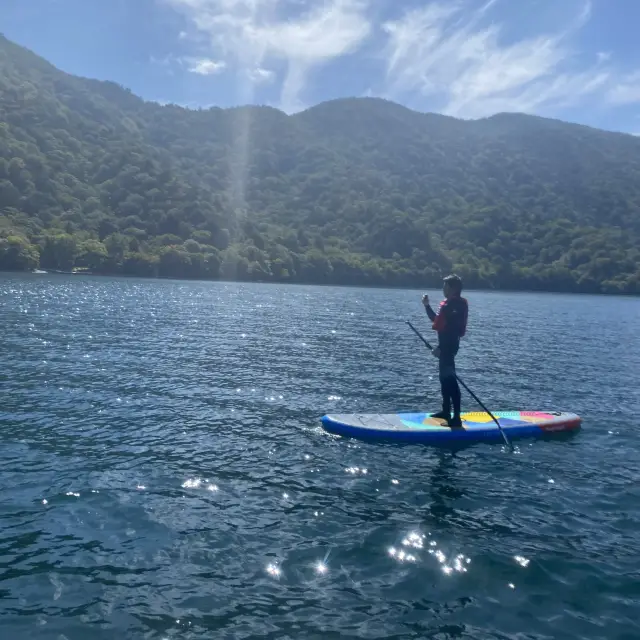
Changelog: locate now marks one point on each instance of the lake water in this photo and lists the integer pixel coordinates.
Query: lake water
(164, 474)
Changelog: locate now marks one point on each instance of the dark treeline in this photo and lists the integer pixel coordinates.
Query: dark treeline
(358, 191)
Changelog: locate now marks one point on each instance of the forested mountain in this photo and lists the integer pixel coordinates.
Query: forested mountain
(355, 191)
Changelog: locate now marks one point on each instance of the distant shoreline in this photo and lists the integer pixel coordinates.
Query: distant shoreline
(323, 284)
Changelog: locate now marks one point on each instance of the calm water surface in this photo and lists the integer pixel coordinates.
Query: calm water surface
(164, 475)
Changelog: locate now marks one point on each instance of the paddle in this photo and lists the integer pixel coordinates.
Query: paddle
(473, 395)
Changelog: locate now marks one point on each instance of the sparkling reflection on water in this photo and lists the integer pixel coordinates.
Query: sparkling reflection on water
(166, 476)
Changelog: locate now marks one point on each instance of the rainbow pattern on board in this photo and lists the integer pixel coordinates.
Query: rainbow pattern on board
(475, 419)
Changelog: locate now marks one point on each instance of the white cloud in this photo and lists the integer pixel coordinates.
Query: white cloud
(201, 66)
(626, 91)
(205, 66)
(260, 75)
(303, 33)
(444, 52)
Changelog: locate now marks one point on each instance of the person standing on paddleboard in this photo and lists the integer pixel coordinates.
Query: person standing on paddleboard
(450, 322)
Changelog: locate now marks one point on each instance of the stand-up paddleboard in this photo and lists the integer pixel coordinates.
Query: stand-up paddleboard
(477, 426)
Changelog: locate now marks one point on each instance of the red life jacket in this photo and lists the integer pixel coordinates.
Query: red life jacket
(452, 317)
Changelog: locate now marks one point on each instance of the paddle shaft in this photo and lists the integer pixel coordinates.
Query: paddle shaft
(473, 395)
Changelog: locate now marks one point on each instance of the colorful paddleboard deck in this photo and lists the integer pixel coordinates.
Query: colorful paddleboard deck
(476, 426)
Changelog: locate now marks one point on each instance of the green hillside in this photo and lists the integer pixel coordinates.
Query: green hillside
(356, 191)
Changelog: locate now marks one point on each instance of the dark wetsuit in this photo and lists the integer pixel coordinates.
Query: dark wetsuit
(451, 324)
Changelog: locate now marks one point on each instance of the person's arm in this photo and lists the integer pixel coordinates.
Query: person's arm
(427, 307)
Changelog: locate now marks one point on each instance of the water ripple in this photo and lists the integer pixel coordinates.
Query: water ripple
(165, 475)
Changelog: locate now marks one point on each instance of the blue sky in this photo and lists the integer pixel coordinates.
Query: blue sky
(577, 60)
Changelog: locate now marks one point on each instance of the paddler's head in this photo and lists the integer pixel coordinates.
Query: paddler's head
(452, 286)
